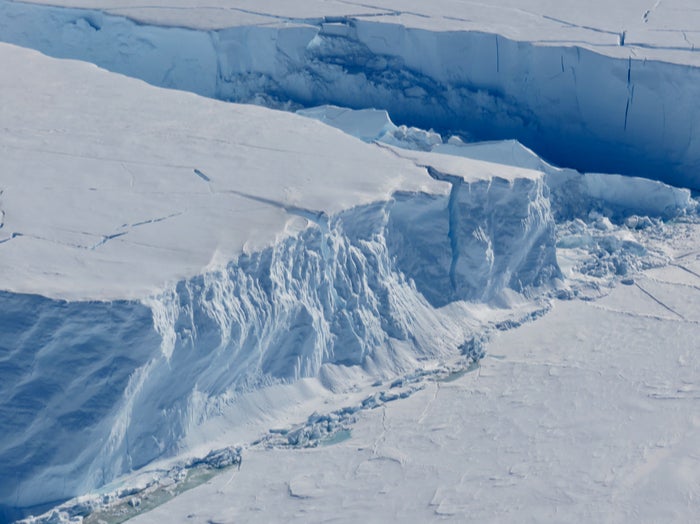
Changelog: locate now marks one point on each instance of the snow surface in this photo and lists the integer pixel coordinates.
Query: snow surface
(143, 195)
(663, 30)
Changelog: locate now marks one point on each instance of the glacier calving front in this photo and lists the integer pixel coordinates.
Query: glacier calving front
(352, 257)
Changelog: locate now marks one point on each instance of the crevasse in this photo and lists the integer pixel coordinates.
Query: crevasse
(572, 106)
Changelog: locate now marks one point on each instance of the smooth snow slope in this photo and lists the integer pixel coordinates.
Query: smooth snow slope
(263, 247)
(545, 73)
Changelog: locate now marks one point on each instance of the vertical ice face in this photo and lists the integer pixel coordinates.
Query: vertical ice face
(340, 295)
(573, 106)
(338, 292)
(64, 367)
(358, 289)
(167, 57)
(493, 235)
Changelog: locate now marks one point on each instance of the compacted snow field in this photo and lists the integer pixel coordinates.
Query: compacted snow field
(336, 261)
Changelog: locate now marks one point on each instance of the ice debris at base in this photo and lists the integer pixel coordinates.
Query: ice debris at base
(321, 428)
(155, 487)
(150, 491)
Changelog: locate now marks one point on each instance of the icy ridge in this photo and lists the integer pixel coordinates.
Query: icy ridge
(368, 288)
(573, 106)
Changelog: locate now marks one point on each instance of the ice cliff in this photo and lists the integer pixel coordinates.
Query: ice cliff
(340, 256)
(367, 287)
(606, 111)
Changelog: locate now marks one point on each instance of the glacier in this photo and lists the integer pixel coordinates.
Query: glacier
(166, 256)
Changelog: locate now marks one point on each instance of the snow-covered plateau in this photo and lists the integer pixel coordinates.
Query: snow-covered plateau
(370, 281)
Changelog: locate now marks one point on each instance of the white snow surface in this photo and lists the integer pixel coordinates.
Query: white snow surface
(114, 189)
